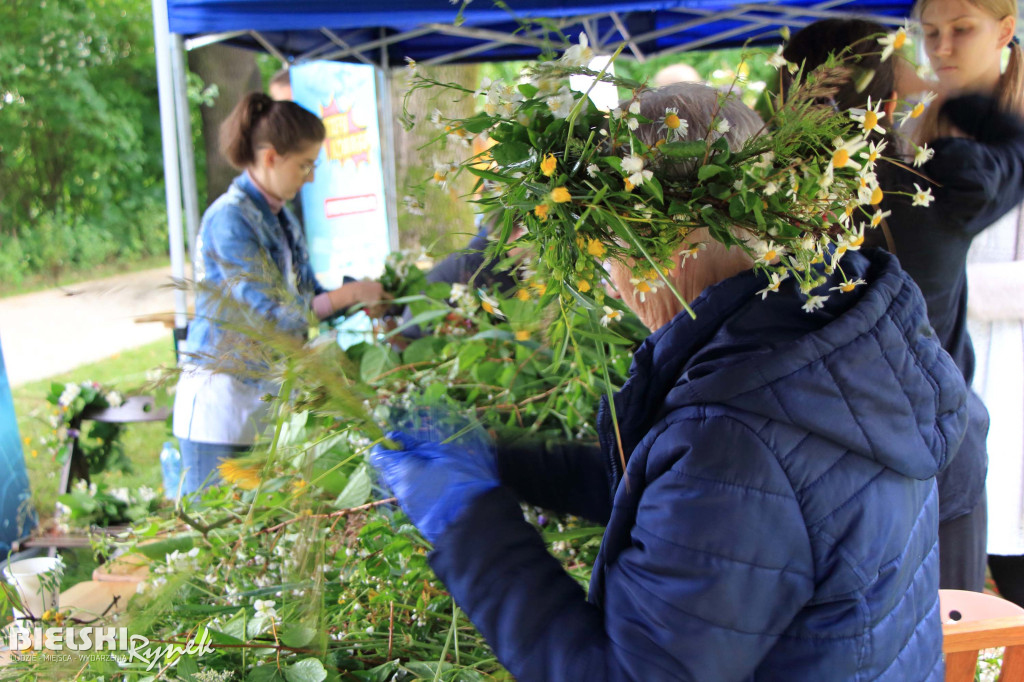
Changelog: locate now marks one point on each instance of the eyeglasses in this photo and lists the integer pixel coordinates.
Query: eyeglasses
(308, 168)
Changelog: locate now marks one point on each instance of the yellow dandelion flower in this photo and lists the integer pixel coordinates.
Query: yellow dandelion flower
(522, 335)
(539, 287)
(244, 476)
(583, 285)
(548, 165)
(595, 248)
(560, 195)
(35, 453)
(523, 295)
(541, 211)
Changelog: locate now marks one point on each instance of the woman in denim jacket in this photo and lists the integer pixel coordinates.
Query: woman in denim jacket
(254, 279)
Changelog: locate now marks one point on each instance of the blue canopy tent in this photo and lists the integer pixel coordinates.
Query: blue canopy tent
(385, 35)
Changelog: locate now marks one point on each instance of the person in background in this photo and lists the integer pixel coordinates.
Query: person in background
(676, 73)
(767, 517)
(972, 181)
(966, 43)
(280, 86)
(254, 274)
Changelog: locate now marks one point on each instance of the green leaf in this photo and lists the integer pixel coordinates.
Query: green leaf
(427, 669)
(376, 361)
(297, 635)
(487, 175)
(266, 673)
(306, 670)
(510, 152)
(683, 150)
(356, 492)
(477, 124)
(187, 667)
(158, 550)
(613, 161)
(528, 90)
(653, 187)
(422, 350)
(710, 170)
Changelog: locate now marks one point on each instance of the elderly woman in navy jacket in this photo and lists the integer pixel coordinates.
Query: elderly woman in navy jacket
(777, 515)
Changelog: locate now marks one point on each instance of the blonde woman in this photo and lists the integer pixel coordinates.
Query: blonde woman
(967, 43)
(776, 515)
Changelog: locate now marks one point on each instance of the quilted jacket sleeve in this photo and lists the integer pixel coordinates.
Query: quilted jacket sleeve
(569, 478)
(979, 179)
(715, 565)
(230, 245)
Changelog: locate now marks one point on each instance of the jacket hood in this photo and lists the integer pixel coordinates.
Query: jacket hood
(865, 371)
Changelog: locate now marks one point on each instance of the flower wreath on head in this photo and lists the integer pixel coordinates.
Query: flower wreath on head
(585, 188)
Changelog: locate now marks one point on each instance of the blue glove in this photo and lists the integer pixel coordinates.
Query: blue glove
(435, 482)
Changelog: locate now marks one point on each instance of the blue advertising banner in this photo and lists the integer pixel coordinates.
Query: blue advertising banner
(343, 209)
(16, 519)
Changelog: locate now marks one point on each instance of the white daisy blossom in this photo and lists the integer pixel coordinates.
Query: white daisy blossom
(562, 103)
(578, 55)
(773, 284)
(893, 41)
(777, 61)
(70, 392)
(632, 164)
(634, 108)
(723, 126)
(923, 155)
(813, 303)
(610, 315)
(490, 305)
(770, 188)
(922, 197)
(265, 608)
(869, 118)
(633, 124)
(592, 169)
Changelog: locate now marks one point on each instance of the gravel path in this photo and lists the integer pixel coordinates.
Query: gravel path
(53, 331)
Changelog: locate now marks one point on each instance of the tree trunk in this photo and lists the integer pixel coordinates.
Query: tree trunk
(235, 73)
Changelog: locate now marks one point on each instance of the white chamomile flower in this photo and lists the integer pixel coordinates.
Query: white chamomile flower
(893, 41)
(578, 55)
(632, 124)
(777, 61)
(773, 284)
(770, 188)
(878, 217)
(265, 608)
(642, 287)
(592, 170)
(918, 107)
(873, 153)
(634, 108)
(610, 315)
(813, 303)
(723, 126)
(827, 178)
(868, 118)
(854, 240)
(922, 197)
(633, 168)
(847, 287)
(767, 251)
(844, 152)
(490, 305)
(673, 126)
(561, 104)
(923, 155)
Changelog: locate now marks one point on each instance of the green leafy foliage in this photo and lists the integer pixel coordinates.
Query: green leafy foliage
(80, 166)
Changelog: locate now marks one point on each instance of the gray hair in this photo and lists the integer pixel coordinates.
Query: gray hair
(701, 106)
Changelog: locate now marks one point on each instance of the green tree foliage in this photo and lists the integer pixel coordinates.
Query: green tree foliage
(80, 166)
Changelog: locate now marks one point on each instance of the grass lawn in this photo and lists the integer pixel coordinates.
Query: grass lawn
(127, 371)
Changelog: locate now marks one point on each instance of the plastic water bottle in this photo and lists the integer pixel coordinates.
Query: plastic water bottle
(170, 465)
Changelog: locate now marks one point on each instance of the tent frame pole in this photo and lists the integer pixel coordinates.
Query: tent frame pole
(172, 178)
(386, 130)
(186, 151)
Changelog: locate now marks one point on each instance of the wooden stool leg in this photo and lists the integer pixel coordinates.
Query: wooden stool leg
(1013, 664)
(960, 666)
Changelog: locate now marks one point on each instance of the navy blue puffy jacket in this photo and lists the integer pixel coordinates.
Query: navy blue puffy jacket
(778, 516)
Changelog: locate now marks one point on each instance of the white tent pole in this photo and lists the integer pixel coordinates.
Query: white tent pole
(172, 179)
(386, 125)
(189, 186)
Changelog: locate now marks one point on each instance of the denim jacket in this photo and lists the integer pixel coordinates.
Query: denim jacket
(254, 271)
